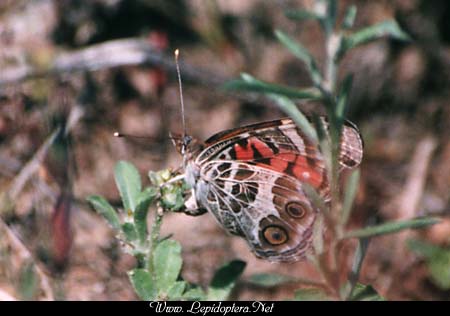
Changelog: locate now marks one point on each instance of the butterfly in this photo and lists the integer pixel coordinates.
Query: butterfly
(251, 179)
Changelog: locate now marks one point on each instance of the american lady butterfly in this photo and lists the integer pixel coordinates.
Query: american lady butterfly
(250, 178)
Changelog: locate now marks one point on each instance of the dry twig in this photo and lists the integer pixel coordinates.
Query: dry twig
(408, 202)
(123, 52)
(31, 167)
(119, 53)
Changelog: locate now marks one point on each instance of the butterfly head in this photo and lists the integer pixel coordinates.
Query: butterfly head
(186, 145)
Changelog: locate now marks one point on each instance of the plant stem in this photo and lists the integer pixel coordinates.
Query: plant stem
(330, 268)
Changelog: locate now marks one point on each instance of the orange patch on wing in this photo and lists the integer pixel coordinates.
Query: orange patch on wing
(280, 162)
(303, 171)
(277, 164)
(247, 152)
(261, 147)
(286, 156)
(243, 153)
(314, 178)
(300, 170)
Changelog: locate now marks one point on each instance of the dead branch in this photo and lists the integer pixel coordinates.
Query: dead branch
(31, 167)
(116, 53)
(407, 204)
(17, 186)
(119, 53)
(33, 164)
(409, 199)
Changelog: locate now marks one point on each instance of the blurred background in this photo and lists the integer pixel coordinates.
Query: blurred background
(94, 67)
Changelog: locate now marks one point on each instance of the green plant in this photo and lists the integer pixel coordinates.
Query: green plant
(159, 261)
(437, 260)
(28, 282)
(339, 39)
(157, 275)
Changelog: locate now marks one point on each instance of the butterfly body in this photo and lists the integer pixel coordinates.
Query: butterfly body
(251, 180)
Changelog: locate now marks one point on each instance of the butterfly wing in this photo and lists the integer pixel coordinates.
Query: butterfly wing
(251, 181)
(281, 146)
(267, 208)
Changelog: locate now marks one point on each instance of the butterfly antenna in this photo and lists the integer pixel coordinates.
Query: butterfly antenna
(177, 52)
(123, 135)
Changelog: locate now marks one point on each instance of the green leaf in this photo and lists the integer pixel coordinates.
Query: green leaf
(302, 53)
(224, 280)
(144, 199)
(140, 224)
(251, 84)
(372, 33)
(343, 97)
(28, 280)
(289, 107)
(330, 20)
(350, 192)
(160, 177)
(195, 294)
(318, 228)
(167, 263)
(349, 19)
(365, 293)
(391, 227)
(128, 182)
(324, 140)
(176, 290)
(358, 259)
(129, 231)
(301, 15)
(269, 279)
(172, 197)
(316, 200)
(438, 261)
(143, 284)
(424, 249)
(310, 294)
(360, 253)
(105, 209)
(439, 266)
(279, 95)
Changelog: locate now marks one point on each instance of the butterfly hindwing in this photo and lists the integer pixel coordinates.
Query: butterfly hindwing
(265, 207)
